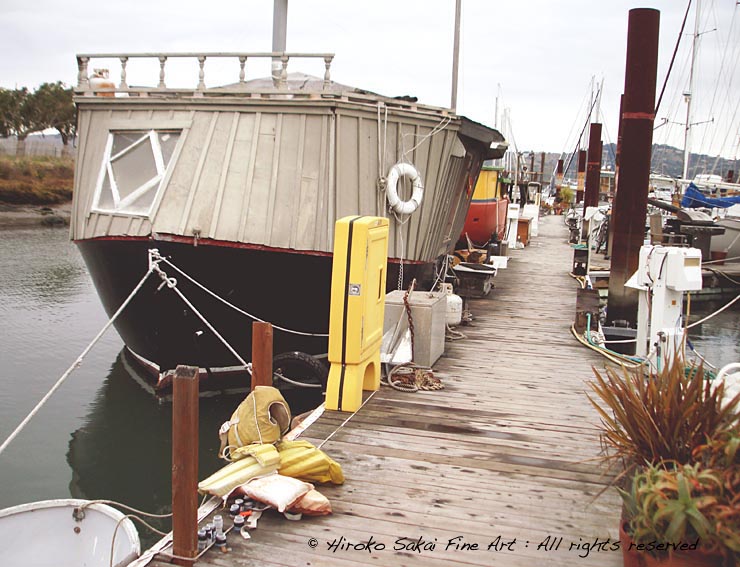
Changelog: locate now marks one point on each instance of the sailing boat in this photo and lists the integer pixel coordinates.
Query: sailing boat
(708, 190)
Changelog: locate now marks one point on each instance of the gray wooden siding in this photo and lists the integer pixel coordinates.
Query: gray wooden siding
(279, 178)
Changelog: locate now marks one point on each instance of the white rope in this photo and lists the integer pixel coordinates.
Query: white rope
(720, 261)
(436, 130)
(172, 284)
(76, 363)
(720, 310)
(370, 397)
(381, 183)
(234, 307)
(441, 276)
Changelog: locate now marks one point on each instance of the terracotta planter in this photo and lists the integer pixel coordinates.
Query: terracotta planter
(696, 558)
(634, 558)
(630, 557)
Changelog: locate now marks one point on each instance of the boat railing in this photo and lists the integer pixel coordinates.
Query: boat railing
(100, 83)
(94, 79)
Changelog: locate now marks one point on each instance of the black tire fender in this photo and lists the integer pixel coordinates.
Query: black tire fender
(299, 367)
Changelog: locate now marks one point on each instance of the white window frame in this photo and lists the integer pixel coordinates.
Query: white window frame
(119, 204)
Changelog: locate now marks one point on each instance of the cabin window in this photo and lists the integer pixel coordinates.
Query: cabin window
(133, 168)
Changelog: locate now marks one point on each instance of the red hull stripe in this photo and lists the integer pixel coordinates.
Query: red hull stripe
(221, 243)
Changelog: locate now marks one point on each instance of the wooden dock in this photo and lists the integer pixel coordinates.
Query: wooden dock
(498, 468)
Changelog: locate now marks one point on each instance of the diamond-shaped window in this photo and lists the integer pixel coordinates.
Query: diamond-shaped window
(133, 168)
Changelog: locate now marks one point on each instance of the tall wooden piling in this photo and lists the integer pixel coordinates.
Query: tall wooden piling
(638, 116)
(542, 168)
(593, 174)
(593, 167)
(261, 354)
(185, 464)
(558, 177)
(581, 176)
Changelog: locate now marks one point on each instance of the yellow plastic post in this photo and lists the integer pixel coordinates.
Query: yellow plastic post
(356, 313)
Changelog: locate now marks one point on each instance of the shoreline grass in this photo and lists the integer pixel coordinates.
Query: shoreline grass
(39, 180)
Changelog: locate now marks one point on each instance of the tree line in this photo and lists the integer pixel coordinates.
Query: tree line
(23, 112)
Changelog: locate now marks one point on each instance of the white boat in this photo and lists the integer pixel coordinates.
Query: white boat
(729, 242)
(66, 533)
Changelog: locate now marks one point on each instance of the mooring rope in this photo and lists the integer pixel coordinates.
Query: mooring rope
(76, 363)
(231, 305)
(720, 310)
(346, 421)
(172, 284)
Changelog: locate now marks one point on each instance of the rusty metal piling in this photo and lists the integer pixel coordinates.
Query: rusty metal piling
(636, 125)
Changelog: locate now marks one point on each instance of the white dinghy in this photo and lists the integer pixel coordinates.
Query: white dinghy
(66, 533)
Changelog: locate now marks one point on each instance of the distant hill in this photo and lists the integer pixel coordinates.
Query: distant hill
(666, 160)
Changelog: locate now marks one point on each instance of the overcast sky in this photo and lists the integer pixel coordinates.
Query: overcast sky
(542, 53)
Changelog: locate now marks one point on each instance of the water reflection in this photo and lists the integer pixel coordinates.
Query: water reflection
(41, 265)
(718, 339)
(123, 450)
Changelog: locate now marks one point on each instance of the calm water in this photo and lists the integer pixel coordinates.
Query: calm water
(101, 435)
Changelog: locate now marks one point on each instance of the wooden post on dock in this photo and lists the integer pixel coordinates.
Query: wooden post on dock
(593, 174)
(542, 168)
(630, 204)
(185, 464)
(581, 176)
(261, 354)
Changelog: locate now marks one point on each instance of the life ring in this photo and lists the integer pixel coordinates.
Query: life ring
(391, 188)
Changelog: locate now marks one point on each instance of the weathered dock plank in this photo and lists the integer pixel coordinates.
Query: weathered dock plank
(492, 470)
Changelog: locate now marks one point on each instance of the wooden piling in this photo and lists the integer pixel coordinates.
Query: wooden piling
(630, 204)
(593, 175)
(593, 167)
(261, 354)
(185, 464)
(581, 176)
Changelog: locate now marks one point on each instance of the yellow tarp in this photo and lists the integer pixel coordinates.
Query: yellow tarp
(300, 459)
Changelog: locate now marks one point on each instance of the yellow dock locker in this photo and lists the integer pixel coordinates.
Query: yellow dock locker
(356, 315)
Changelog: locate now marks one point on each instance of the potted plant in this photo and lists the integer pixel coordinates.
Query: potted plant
(567, 195)
(668, 511)
(668, 431)
(651, 417)
(721, 454)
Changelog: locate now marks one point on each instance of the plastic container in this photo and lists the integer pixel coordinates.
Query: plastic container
(454, 309)
(100, 80)
(218, 524)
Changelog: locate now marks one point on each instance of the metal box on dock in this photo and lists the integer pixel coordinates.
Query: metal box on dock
(428, 311)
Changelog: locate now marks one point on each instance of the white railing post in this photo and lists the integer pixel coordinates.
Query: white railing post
(82, 80)
(327, 72)
(242, 72)
(162, 61)
(284, 72)
(124, 60)
(201, 72)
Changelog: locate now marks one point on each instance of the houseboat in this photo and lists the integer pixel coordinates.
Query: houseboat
(238, 188)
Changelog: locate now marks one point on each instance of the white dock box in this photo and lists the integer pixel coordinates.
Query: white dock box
(428, 311)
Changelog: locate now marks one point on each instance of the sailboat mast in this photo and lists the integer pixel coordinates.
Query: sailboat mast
(689, 94)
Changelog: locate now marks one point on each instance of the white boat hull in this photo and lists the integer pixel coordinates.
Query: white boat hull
(46, 534)
(728, 242)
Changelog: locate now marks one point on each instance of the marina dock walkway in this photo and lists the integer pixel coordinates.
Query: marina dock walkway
(495, 469)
